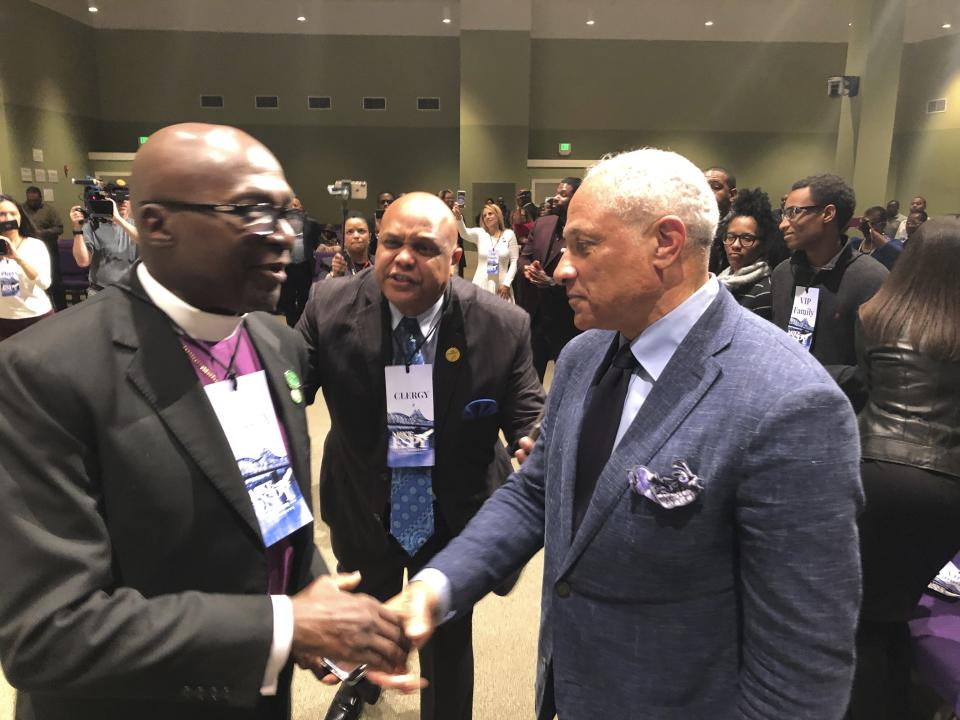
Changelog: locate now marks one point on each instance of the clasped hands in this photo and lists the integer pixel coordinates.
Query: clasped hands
(355, 629)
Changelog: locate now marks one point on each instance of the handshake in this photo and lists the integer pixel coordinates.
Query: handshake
(354, 629)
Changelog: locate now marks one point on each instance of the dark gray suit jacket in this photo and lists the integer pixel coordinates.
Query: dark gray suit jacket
(482, 352)
(135, 577)
(740, 605)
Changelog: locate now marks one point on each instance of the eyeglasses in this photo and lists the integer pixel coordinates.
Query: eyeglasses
(258, 218)
(746, 239)
(791, 212)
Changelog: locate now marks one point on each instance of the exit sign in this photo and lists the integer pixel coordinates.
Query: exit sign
(566, 148)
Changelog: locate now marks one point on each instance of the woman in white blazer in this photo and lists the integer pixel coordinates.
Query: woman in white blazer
(497, 251)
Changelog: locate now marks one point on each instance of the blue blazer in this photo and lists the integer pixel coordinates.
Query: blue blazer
(740, 605)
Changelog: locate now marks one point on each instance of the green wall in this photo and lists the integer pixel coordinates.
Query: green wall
(926, 148)
(48, 97)
(758, 108)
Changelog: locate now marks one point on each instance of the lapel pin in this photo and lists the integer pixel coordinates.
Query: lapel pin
(293, 382)
(452, 354)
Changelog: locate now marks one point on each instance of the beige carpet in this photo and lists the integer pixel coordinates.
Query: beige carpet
(505, 632)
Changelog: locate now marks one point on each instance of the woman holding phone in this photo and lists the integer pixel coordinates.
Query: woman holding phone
(497, 250)
(24, 271)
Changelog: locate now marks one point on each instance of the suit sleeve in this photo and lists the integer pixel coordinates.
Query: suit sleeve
(796, 517)
(501, 537)
(307, 326)
(68, 625)
(524, 396)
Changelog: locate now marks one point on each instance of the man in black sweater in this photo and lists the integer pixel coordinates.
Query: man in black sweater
(819, 289)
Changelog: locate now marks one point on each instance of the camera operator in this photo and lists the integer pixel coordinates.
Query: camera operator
(107, 246)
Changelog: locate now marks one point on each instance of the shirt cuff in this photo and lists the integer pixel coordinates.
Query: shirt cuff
(441, 583)
(282, 641)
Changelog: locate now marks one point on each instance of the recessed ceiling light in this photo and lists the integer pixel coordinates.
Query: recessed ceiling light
(92, 8)
(447, 21)
(301, 18)
(849, 24)
(946, 26)
(709, 23)
(591, 22)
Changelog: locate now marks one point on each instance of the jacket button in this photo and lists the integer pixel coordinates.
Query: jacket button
(563, 589)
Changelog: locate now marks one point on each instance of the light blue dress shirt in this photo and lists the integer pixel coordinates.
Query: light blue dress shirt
(655, 346)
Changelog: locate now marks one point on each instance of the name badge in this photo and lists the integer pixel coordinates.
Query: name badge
(410, 438)
(803, 316)
(9, 281)
(493, 259)
(250, 424)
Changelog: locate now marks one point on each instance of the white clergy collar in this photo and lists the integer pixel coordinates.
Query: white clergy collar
(198, 324)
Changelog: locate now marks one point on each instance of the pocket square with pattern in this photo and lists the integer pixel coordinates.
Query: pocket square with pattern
(676, 490)
(480, 409)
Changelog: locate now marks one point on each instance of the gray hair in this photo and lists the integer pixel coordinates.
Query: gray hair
(647, 184)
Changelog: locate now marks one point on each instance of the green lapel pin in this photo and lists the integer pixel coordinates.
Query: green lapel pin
(293, 382)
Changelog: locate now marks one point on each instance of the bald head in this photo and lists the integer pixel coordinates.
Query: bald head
(428, 210)
(196, 162)
(213, 257)
(417, 244)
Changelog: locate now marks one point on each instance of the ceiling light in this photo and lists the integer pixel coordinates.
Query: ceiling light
(92, 7)
(591, 22)
(849, 24)
(447, 21)
(301, 18)
(946, 26)
(708, 23)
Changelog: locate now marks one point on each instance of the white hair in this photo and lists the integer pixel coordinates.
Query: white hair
(644, 185)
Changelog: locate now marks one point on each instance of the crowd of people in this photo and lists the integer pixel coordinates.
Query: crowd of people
(743, 477)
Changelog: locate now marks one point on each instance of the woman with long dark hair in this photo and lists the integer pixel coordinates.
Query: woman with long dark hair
(753, 246)
(910, 432)
(24, 271)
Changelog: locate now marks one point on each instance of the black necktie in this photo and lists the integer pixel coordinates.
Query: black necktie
(600, 424)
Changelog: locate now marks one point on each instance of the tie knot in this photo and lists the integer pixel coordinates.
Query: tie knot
(625, 359)
(409, 326)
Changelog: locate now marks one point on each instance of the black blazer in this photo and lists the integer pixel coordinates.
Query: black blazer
(347, 327)
(135, 577)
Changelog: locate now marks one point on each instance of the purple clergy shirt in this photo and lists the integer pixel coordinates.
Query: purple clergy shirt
(245, 362)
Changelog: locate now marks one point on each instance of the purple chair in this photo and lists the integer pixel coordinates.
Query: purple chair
(75, 278)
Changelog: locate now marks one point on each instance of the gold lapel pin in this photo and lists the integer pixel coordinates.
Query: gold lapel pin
(452, 354)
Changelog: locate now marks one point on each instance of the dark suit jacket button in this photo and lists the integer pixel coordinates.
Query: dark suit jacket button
(563, 589)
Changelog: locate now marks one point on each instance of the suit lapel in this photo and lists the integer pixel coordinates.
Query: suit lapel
(162, 373)
(685, 380)
(581, 385)
(451, 336)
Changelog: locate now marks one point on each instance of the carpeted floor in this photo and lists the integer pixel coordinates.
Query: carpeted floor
(505, 633)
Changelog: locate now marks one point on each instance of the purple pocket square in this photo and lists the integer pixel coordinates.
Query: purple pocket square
(676, 490)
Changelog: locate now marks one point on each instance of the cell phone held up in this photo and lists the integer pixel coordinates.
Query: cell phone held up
(6, 226)
(461, 197)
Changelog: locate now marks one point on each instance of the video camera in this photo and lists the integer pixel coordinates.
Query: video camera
(97, 195)
(349, 189)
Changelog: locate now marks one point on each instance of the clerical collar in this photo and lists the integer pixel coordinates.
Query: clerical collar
(196, 323)
(425, 319)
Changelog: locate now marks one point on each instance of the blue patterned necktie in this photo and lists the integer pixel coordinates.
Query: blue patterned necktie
(411, 493)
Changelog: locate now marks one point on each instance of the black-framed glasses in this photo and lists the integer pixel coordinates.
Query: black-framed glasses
(791, 212)
(746, 239)
(258, 218)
